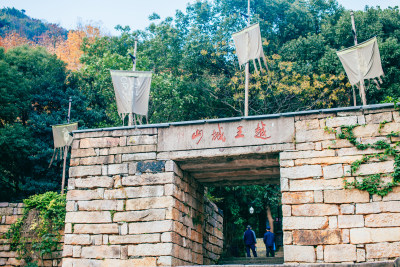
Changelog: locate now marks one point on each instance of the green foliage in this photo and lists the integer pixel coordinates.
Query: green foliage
(38, 232)
(34, 92)
(373, 184)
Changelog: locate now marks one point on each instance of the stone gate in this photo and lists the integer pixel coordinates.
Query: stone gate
(136, 194)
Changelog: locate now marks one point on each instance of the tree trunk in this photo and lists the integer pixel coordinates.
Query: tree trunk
(270, 219)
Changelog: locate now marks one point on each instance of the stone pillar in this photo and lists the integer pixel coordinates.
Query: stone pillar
(126, 208)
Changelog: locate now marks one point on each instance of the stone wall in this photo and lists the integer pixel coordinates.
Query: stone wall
(9, 213)
(126, 208)
(130, 204)
(323, 222)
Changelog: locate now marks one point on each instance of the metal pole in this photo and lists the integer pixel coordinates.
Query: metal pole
(65, 151)
(246, 85)
(130, 120)
(362, 86)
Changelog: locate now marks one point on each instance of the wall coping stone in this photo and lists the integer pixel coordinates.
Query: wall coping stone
(268, 116)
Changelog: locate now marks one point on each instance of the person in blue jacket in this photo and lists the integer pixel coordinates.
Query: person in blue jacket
(269, 240)
(250, 241)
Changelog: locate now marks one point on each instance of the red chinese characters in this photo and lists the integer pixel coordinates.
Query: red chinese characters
(218, 135)
(239, 133)
(197, 134)
(260, 132)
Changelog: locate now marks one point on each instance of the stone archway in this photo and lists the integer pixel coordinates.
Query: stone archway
(130, 203)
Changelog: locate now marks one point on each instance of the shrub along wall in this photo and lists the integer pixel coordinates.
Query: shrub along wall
(10, 213)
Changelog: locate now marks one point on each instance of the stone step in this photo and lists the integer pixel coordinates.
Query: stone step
(251, 261)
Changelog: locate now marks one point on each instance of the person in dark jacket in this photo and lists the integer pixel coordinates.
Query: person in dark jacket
(250, 241)
(269, 240)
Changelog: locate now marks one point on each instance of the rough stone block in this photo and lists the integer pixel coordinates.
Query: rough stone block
(67, 251)
(328, 160)
(284, 184)
(299, 253)
(76, 251)
(160, 249)
(96, 205)
(347, 208)
(83, 153)
(333, 171)
(150, 227)
(316, 237)
(318, 196)
(99, 142)
(350, 221)
(301, 172)
(374, 168)
(350, 151)
(94, 182)
(378, 207)
(286, 210)
(139, 156)
(83, 195)
(101, 252)
(340, 253)
(313, 135)
(307, 124)
(292, 223)
(142, 140)
(286, 163)
(345, 196)
(287, 238)
(337, 143)
(149, 179)
(340, 121)
(333, 222)
(305, 146)
(383, 250)
(96, 228)
(114, 169)
(394, 195)
(366, 130)
(320, 253)
(74, 239)
(297, 197)
(134, 192)
(82, 171)
(378, 117)
(88, 217)
(374, 235)
(150, 203)
(306, 154)
(382, 220)
(345, 236)
(134, 239)
(360, 255)
(139, 216)
(97, 160)
(315, 210)
(315, 184)
(133, 149)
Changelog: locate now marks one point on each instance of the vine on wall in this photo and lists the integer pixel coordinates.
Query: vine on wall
(38, 232)
(373, 184)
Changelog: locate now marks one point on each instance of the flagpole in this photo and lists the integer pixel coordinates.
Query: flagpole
(65, 150)
(130, 120)
(246, 86)
(362, 86)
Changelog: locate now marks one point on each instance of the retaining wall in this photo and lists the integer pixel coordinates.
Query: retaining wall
(9, 213)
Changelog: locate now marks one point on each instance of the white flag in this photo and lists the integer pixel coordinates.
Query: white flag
(362, 61)
(249, 45)
(132, 91)
(62, 134)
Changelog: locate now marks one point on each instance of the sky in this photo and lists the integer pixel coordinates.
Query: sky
(134, 13)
